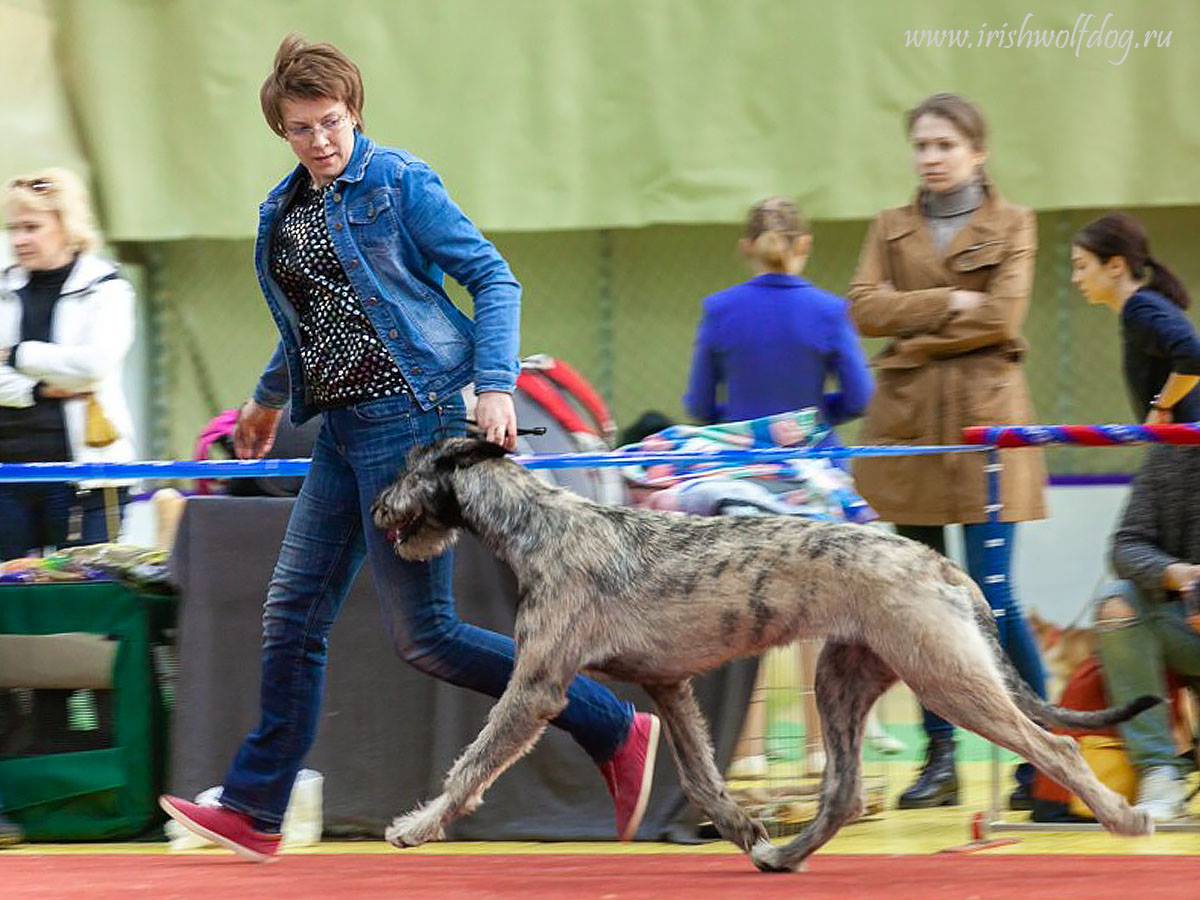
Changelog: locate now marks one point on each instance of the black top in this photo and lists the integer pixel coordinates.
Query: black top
(344, 360)
(1158, 339)
(36, 433)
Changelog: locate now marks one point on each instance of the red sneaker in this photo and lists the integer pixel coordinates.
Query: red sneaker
(223, 826)
(630, 773)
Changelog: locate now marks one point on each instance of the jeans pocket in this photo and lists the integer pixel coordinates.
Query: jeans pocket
(445, 420)
(387, 409)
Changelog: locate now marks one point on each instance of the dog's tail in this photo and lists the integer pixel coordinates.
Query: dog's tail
(1047, 714)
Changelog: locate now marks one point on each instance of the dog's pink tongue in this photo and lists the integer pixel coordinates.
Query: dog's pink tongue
(392, 535)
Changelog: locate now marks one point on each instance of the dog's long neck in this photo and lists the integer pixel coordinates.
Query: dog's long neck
(511, 511)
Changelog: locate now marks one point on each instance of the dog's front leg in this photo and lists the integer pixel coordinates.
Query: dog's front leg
(533, 697)
(699, 777)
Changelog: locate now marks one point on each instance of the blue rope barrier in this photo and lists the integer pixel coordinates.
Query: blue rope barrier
(291, 468)
(725, 457)
(157, 469)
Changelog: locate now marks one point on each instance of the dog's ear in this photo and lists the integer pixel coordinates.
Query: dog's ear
(469, 453)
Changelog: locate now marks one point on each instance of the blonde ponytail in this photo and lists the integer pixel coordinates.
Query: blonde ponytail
(772, 227)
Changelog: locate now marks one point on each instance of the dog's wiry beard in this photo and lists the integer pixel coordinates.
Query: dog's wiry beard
(428, 540)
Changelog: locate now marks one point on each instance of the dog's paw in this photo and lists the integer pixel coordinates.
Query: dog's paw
(769, 858)
(1133, 823)
(413, 830)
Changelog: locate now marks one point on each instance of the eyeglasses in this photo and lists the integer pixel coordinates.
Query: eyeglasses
(37, 185)
(327, 126)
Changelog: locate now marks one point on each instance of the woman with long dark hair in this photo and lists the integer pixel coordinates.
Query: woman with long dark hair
(1111, 265)
(1141, 627)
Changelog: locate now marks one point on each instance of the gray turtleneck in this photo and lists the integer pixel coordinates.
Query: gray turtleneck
(946, 213)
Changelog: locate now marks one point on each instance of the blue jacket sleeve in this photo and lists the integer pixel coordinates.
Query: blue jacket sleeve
(273, 385)
(700, 400)
(450, 239)
(849, 363)
(1169, 332)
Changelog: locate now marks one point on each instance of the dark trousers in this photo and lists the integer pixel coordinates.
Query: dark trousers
(34, 515)
(984, 544)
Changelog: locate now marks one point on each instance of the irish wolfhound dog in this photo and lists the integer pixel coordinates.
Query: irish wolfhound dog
(655, 599)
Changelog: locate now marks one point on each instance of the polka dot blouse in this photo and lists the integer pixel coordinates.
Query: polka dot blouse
(344, 360)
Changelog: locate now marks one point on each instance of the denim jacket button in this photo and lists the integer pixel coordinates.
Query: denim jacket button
(337, 198)
(354, 263)
(337, 226)
(416, 370)
(393, 334)
(433, 395)
(373, 301)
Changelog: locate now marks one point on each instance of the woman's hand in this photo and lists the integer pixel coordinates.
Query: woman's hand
(254, 434)
(1159, 417)
(1180, 576)
(965, 301)
(57, 393)
(496, 418)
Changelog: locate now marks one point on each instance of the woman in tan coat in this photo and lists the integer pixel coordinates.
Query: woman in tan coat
(947, 278)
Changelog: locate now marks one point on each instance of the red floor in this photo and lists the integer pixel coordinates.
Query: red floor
(531, 877)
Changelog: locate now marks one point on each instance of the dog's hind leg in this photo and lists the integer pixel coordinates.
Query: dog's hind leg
(979, 701)
(850, 678)
(536, 693)
(702, 784)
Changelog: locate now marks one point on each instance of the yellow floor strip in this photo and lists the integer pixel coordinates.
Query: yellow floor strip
(911, 832)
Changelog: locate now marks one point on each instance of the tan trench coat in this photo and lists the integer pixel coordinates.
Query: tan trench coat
(945, 370)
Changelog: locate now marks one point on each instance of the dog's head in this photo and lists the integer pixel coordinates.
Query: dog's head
(420, 510)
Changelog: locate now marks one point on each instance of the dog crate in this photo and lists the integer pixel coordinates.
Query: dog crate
(84, 703)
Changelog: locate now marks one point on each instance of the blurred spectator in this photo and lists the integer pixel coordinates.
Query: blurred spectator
(769, 343)
(1112, 266)
(66, 324)
(947, 279)
(648, 423)
(1142, 622)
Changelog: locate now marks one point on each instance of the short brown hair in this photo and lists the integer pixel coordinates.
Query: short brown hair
(304, 71)
(964, 115)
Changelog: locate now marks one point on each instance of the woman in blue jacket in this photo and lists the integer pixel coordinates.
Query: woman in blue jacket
(1111, 266)
(351, 251)
(771, 342)
(768, 345)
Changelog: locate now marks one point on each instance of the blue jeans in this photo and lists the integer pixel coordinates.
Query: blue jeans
(359, 451)
(989, 549)
(1136, 655)
(38, 514)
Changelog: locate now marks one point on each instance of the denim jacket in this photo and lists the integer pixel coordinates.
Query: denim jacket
(395, 231)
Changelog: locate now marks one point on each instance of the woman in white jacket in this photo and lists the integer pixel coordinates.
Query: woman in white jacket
(66, 324)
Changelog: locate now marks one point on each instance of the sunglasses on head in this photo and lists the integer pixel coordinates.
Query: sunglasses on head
(37, 185)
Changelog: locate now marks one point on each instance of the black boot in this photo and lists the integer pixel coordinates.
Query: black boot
(937, 785)
(1022, 797)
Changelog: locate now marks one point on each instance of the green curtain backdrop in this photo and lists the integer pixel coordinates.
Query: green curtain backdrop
(556, 114)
